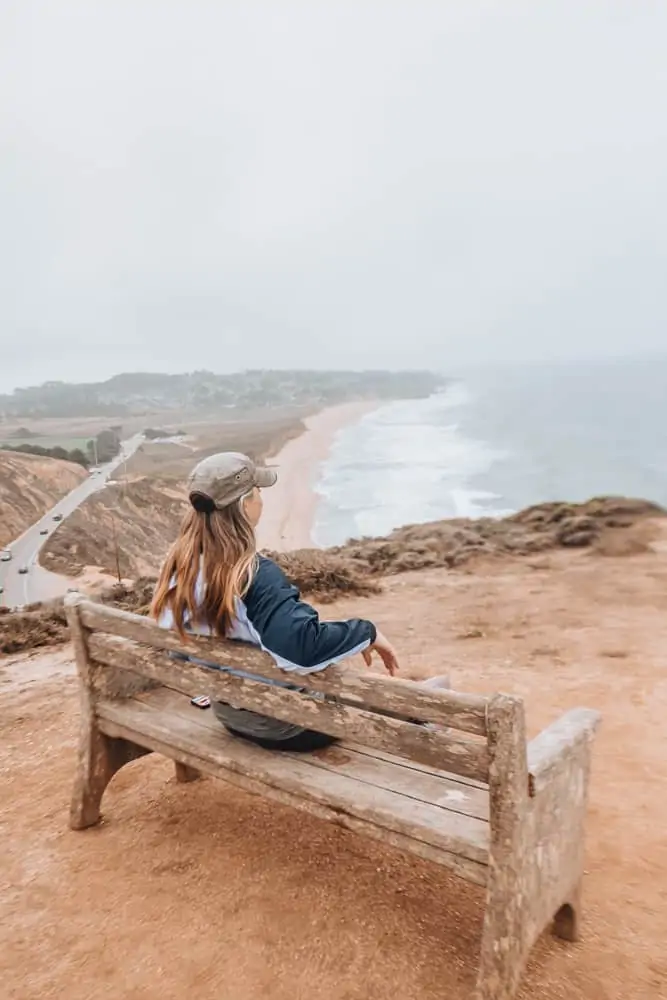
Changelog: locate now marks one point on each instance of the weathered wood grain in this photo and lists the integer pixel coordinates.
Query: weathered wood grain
(93, 764)
(441, 791)
(504, 946)
(466, 712)
(108, 682)
(99, 756)
(560, 741)
(405, 739)
(559, 760)
(380, 755)
(395, 774)
(382, 814)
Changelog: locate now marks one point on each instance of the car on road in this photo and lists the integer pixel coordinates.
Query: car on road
(6, 557)
(57, 517)
(44, 531)
(23, 569)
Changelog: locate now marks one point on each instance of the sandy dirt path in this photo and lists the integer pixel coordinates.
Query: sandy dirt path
(203, 891)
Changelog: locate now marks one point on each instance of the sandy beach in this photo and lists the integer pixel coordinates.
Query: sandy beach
(290, 506)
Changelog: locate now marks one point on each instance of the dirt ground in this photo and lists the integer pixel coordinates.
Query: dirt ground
(203, 891)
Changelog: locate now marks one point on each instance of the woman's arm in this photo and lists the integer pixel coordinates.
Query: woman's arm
(291, 631)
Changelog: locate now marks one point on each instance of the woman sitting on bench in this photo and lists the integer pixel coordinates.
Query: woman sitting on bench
(214, 582)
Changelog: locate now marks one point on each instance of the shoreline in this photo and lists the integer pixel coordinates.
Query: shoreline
(290, 506)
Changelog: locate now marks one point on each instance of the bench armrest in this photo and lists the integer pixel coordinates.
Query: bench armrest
(557, 743)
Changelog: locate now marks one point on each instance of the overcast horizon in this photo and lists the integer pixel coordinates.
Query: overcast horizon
(455, 372)
(377, 185)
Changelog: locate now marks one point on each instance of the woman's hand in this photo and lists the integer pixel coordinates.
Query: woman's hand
(385, 651)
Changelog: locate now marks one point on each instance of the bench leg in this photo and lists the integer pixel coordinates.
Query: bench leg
(506, 939)
(508, 892)
(185, 773)
(504, 951)
(568, 918)
(100, 757)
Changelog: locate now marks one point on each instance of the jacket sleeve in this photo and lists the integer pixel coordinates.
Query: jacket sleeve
(291, 631)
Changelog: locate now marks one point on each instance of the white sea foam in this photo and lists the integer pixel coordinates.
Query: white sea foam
(502, 439)
(405, 463)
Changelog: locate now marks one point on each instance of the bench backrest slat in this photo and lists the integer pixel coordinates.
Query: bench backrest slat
(433, 747)
(455, 710)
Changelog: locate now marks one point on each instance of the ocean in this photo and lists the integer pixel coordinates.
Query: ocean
(497, 440)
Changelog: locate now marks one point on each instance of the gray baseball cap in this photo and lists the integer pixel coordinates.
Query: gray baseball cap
(228, 476)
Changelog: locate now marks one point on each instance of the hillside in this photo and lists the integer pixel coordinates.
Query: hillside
(144, 392)
(128, 526)
(143, 517)
(29, 486)
(137, 521)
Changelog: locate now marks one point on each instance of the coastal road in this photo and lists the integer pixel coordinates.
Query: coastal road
(38, 584)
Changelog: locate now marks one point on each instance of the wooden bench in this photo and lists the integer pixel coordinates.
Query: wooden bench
(465, 791)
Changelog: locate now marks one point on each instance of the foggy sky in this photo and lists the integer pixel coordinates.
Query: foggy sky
(224, 184)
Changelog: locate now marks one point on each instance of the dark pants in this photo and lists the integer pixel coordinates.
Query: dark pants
(272, 734)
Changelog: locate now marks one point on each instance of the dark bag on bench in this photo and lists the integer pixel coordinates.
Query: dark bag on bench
(272, 734)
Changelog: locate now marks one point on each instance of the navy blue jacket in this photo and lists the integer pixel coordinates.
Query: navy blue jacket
(290, 630)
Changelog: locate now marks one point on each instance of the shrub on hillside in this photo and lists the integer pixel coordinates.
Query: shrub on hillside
(75, 455)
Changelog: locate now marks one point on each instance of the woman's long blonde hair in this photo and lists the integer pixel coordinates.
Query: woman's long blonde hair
(220, 544)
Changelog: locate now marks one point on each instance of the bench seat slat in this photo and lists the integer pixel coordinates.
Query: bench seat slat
(437, 788)
(215, 752)
(448, 795)
(413, 765)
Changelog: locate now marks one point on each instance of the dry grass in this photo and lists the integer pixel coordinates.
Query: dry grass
(29, 487)
(614, 527)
